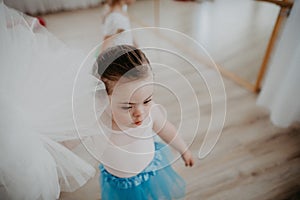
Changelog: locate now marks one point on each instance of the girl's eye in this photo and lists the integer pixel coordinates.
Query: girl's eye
(126, 108)
(148, 101)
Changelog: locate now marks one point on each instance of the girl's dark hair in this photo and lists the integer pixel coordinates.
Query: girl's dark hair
(122, 61)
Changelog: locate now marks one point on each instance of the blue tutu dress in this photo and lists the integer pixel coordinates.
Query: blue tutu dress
(157, 181)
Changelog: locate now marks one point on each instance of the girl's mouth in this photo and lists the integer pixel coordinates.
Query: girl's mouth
(138, 123)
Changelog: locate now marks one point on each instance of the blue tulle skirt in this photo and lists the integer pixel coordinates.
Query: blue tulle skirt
(157, 181)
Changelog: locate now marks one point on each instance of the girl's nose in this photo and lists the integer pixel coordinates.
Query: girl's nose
(138, 111)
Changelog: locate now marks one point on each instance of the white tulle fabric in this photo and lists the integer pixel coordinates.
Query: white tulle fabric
(280, 92)
(45, 6)
(47, 95)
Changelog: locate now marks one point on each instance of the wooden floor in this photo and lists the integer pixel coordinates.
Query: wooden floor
(252, 159)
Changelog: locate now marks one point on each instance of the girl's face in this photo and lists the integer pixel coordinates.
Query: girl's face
(131, 102)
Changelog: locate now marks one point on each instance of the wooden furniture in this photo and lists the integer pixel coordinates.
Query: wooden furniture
(285, 8)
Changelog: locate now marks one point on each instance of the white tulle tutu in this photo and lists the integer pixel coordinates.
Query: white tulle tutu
(280, 93)
(44, 100)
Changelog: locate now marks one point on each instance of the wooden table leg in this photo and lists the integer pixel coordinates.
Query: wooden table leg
(283, 14)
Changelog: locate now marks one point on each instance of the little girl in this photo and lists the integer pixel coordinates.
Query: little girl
(134, 165)
(116, 21)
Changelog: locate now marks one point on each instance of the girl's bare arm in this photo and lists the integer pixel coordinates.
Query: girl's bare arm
(169, 134)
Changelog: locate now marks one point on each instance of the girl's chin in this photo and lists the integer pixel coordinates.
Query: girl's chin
(132, 125)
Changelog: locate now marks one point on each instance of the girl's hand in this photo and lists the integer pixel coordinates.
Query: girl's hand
(188, 158)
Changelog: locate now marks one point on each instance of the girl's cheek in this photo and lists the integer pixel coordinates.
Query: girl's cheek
(123, 117)
(148, 108)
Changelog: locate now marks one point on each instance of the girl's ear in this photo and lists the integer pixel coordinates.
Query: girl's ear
(108, 109)
(109, 85)
(110, 100)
